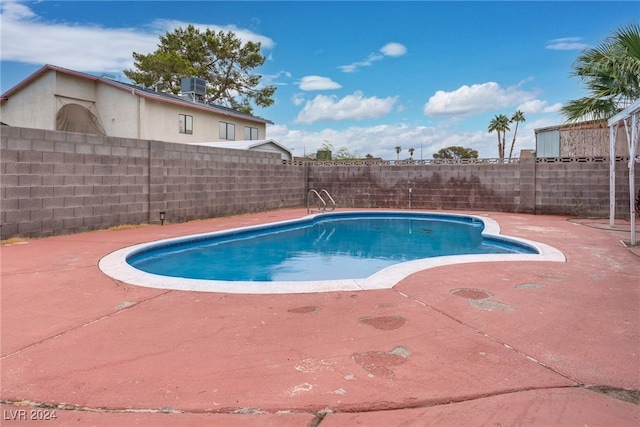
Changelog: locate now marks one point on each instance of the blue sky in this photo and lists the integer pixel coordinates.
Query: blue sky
(366, 75)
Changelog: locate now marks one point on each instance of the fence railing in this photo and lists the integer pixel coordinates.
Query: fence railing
(378, 162)
(590, 159)
(489, 161)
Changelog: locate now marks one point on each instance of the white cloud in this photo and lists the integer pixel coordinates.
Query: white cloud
(14, 10)
(275, 79)
(70, 46)
(297, 99)
(29, 39)
(352, 107)
(381, 140)
(474, 99)
(390, 49)
(566, 43)
(353, 67)
(536, 106)
(308, 83)
(531, 126)
(393, 49)
(164, 25)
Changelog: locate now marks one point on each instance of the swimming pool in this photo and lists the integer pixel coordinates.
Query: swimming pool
(323, 252)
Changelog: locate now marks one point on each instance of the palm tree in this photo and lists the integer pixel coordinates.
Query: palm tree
(517, 117)
(611, 74)
(398, 149)
(500, 125)
(411, 150)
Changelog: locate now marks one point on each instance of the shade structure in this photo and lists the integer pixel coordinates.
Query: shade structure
(629, 120)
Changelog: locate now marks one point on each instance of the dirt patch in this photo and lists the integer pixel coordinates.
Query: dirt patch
(306, 309)
(490, 305)
(554, 277)
(470, 293)
(529, 286)
(483, 300)
(385, 323)
(14, 241)
(378, 363)
(630, 396)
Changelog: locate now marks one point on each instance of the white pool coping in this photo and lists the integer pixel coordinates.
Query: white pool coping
(115, 264)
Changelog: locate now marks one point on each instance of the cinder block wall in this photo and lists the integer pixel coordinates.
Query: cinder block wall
(581, 188)
(564, 188)
(193, 182)
(444, 186)
(60, 182)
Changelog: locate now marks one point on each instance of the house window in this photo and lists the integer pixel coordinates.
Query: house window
(227, 131)
(186, 124)
(250, 133)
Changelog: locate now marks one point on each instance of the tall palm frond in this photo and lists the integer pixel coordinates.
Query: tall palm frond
(500, 125)
(611, 74)
(517, 117)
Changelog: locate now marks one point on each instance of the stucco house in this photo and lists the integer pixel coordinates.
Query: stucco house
(55, 98)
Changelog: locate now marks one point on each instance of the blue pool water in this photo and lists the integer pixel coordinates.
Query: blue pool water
(326, 247)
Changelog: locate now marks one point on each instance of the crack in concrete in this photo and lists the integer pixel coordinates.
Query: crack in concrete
(68, 331)
(319, 416)
(626, 395)
(629, 396)
(495, 339)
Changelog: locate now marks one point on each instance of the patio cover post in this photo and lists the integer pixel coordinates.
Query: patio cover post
(613, 130)
(631, 112)
(633, 149)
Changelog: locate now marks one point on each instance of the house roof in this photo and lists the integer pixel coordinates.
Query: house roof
(136, 90)
(245, 145)
(592, 124)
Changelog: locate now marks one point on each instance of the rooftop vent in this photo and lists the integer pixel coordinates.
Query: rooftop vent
(194, 87)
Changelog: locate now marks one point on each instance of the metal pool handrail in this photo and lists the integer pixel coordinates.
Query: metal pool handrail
(323, 207)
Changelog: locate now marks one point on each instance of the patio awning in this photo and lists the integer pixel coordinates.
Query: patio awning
(629, 118)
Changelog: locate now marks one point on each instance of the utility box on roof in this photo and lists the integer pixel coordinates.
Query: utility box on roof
(193, 85)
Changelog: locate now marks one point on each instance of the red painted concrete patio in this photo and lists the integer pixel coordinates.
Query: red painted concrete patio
(507, 343)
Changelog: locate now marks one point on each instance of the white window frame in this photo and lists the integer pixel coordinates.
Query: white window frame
(185, 124)
(250, 133)
(227, 131)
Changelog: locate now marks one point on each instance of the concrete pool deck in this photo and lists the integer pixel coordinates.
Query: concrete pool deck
(505, 343)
